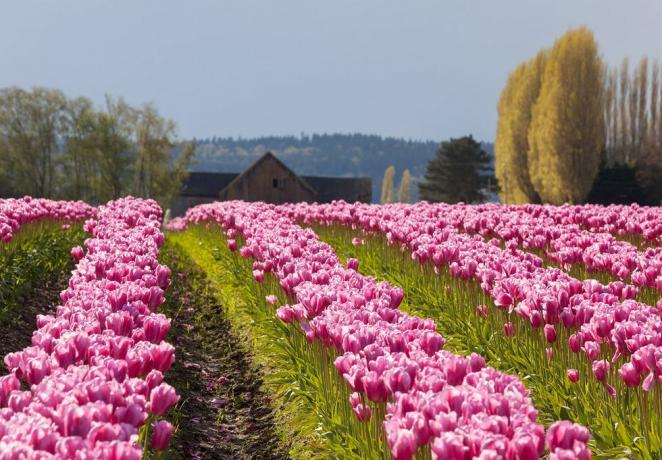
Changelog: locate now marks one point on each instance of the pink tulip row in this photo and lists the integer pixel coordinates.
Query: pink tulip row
(564, 243)
(94, 372)
(16, 212)
(453, 405)
(604, 318)
(619, 220)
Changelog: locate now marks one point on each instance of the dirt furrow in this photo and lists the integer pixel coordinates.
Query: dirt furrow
(222, 413)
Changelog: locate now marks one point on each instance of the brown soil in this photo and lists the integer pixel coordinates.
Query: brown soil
(18, 321)
(223, 414)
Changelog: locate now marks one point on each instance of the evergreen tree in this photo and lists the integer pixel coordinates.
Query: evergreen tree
(459, 172)
(566, 135)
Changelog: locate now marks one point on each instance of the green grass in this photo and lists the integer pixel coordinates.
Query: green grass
(38, 250)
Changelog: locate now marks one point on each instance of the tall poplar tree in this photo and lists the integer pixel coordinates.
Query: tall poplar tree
(512, 146)
(404, 192)
(566, 135)
(387, 185)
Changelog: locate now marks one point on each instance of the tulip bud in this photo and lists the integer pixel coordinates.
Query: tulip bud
(353, 264)
(162, 398)
(509, 329)
(573, 375)
(77, 253)
(161, 435)
(629, 375)
(482, 311)
(600, 369)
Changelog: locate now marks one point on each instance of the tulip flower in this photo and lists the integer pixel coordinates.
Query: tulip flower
(161, 399)
(161, 434)
(573, 375)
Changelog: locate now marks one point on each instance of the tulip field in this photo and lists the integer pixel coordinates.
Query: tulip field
(323, 331)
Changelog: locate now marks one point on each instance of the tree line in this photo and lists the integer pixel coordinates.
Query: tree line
(53, 146)
(565, 118)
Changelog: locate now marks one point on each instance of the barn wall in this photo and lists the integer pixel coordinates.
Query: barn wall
(268, 182)
(182, 203)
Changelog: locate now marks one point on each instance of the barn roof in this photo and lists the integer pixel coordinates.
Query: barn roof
(262, 159)
(207, 184)
(350, 189)
(325, 189)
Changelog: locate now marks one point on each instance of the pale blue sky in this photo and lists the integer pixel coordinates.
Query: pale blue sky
(413, 68)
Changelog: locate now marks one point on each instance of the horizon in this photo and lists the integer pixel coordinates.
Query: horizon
(252, 69)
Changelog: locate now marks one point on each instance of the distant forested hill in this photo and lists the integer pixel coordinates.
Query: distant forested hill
(343, 155)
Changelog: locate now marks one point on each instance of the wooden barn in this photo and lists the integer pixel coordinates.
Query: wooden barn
(271, 181)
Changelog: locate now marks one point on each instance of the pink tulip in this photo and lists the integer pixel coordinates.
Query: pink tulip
(629, 375)
(600, 369)
(232, 245)
(403, 444)
(550, 333)
(161, 399)
(352, 264)
(77, 253)
(161, 434)
(156, 327)
(573, 375)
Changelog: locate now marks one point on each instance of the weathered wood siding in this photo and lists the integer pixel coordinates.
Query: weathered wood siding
(270, 182)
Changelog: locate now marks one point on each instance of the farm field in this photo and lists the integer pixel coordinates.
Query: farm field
(247, 330)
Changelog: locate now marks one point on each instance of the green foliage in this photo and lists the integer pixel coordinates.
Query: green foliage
(29, 125)
(616, 425)
(311, 402)
(39, 249)
(616, 184)
(566, 136)
(512, 147)
(55, 147)
(459, 172)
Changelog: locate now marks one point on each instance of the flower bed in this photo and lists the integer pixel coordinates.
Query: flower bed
(424, 398)
(94, 373)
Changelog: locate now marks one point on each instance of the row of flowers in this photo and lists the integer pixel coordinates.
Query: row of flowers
(394, 364)
(625, 221)
(17, 212)
(602, 321)
(93, 376)
(567, 244)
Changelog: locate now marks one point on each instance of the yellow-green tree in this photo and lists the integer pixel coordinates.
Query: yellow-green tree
(387, 185)
(566, 136)
(512, 145)
(404, 193)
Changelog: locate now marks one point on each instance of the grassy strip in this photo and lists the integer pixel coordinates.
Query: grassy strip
(310, 401)
(616, 426)
(38, 251)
